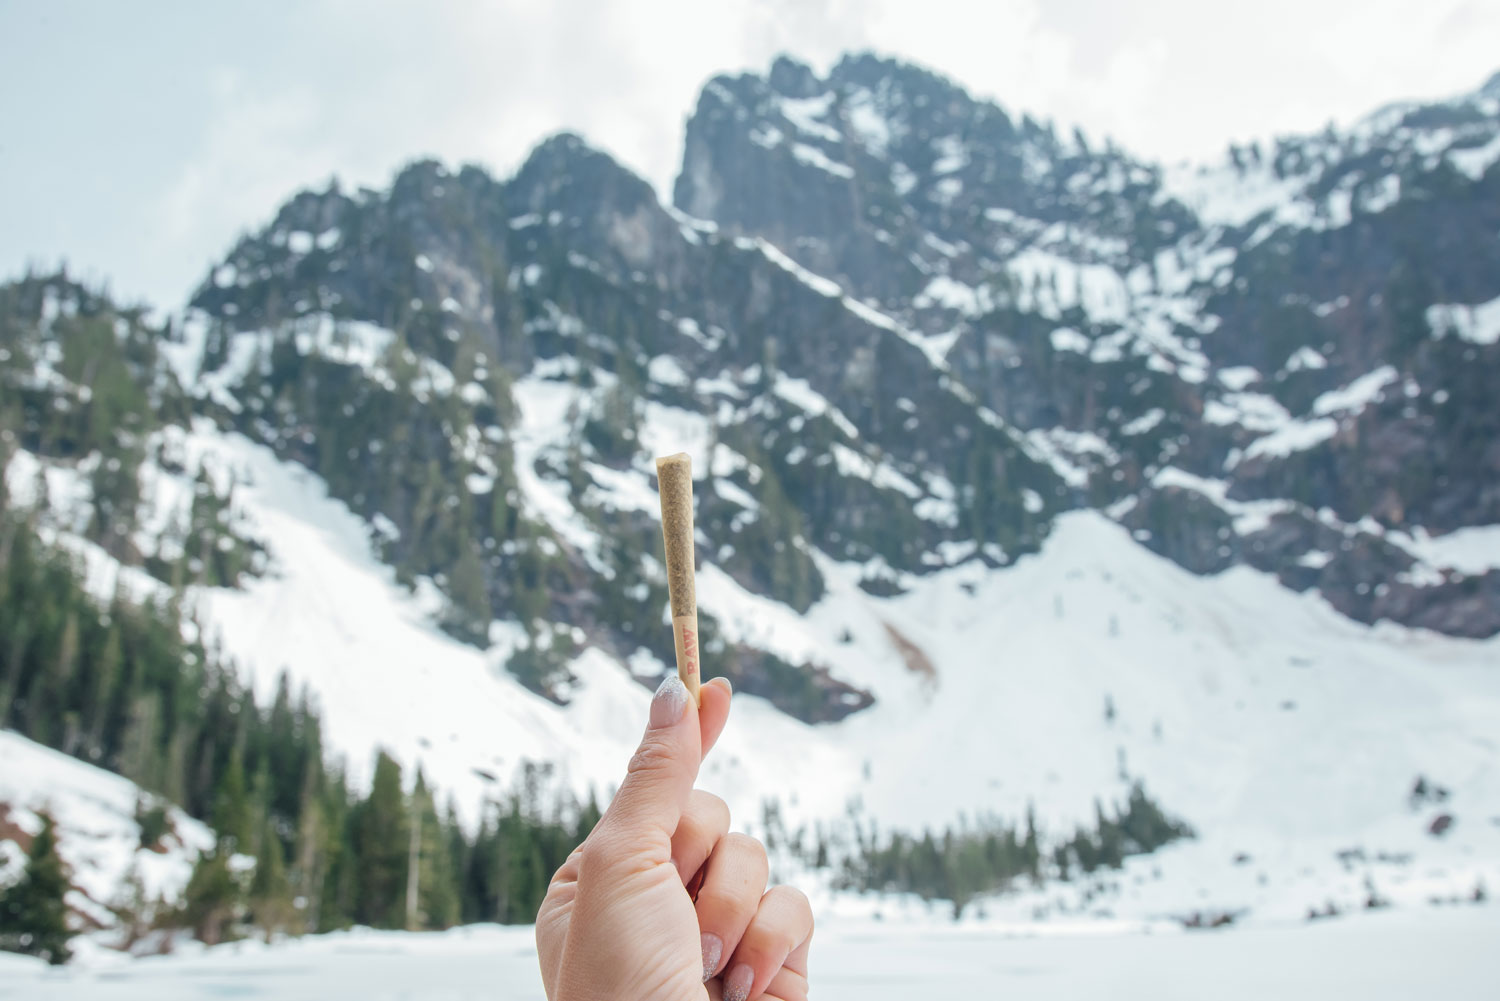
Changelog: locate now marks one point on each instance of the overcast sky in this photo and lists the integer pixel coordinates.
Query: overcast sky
(138, 139)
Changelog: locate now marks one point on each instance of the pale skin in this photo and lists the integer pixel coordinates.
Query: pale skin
(619, 921)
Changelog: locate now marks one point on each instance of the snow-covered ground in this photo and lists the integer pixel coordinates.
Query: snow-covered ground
(1389, 955)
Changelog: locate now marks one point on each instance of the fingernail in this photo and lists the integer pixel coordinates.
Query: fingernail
(713, 948)
(737, 985)
(669, 702)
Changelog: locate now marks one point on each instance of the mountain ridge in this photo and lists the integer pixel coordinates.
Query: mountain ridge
(1110, 394)
(1185, 302)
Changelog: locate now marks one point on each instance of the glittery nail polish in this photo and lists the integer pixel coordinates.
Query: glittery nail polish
(669, 702)
(713, 948)
(738, 983)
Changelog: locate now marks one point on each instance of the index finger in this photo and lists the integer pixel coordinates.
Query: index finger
(663, 769)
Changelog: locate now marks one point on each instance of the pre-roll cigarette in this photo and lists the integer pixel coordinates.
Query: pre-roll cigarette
(674, 474)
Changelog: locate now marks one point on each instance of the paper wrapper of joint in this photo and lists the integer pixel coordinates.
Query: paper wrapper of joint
(674, 474)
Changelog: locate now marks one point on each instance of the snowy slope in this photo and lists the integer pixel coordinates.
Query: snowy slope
(98, 836)
(1289, 743)
(331, 615)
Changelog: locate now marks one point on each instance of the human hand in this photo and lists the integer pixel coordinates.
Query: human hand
(618, 921)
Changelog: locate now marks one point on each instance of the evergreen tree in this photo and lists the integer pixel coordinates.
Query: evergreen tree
(1031, 853)
(33, 912)
(469, 616)
(270, 892)
(380, 840)
(211, 901)
(1111, 839)
(311, 854)
(439, 875)
(152, 819)
(231, 814)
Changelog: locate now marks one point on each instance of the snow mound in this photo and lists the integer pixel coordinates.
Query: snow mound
(97, 833)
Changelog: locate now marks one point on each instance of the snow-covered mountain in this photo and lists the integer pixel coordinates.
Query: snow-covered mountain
(1026, 471)
(1282, 359)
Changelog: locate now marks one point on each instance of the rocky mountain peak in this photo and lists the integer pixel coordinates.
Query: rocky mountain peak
(566, 173)
(793, 78)
(1124, 314)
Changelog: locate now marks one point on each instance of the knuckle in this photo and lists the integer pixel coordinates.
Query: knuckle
(706, 819)
(652, 757)
(690, 831)
(789, 986)
(712, 806)
(590, 855)
(598, 851)
(794, 899)
(745, 846)
(791, 918)
(719, 810)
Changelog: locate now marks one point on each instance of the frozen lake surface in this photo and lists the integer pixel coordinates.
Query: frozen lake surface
(1443, 952)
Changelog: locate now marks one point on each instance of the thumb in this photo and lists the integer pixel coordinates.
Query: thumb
(660, 775)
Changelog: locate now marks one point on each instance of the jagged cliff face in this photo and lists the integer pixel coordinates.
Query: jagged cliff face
(463, 359)
(1275, 359)
(899, 328)
(884, 175)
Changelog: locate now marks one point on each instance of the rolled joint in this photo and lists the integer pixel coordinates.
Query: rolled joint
(674, 474)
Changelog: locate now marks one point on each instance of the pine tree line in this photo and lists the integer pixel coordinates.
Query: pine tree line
(389, 858)
(966, 861)
(297, 848)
